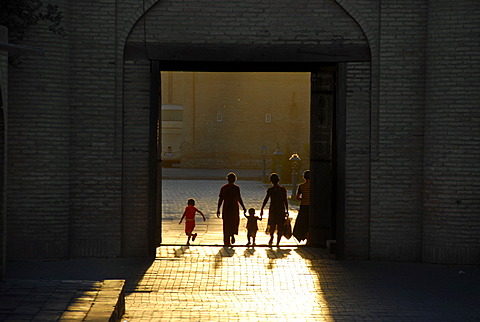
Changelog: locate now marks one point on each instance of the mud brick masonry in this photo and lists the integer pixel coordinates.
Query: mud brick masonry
(401, 142)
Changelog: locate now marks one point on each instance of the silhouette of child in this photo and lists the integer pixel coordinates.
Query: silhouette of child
(189, 215)
(252, 226)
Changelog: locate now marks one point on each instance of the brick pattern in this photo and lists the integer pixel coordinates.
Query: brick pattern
(247, 22)
(135, 158)
(62, 300)
(357, 198)
(39, 151)
(396, 176)
(452, 134)
(78, 122)
(95, 180)
(295, 284)
(243, 101)
(3, 119)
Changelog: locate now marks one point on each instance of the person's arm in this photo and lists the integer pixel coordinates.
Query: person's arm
(299, 193)
(183, 216)
(201, 213)
(263, 205)
(220, 200)
(285, 202)
(240, 201)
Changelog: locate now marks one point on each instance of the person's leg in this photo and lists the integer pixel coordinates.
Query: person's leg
(188, 240)
(226, 236)
(233, 239)
(194, 236)
(272, 232)
(226, 239)
(279, 236)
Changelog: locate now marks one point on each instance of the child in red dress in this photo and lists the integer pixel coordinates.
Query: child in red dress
(189, 215)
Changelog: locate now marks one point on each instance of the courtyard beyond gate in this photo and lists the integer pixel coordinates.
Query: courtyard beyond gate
(203, 185)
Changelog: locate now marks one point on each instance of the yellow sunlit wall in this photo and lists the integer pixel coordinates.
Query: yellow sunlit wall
(234, 120)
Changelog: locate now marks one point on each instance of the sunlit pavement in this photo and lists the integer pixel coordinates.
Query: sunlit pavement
(223, 284)
(208, 282)
(211, 283)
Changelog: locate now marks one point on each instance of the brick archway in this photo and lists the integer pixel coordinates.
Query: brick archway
(156, 41)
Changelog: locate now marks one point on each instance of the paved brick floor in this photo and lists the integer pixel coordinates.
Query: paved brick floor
(211, 283)
(58, 300)
(207, 283)
(218, 284)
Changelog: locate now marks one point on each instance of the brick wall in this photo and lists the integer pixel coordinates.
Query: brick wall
(64, 170)
(39, 151)
(395, 222)
(246, 23)
(95, 180)
(3, 117)
(243, 100)
(135, 157)
(357, 199)
(452, 134)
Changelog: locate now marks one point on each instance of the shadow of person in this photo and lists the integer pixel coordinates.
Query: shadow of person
(223, 252)
(181, 251)
(278, 253)
(274, 255)
(249, 252)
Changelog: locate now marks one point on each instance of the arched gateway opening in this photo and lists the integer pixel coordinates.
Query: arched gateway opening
(335, 50)
(327, 143)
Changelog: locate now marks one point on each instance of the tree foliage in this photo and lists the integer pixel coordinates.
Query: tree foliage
(19, 16)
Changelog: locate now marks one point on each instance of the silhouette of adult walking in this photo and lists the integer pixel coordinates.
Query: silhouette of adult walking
(231, 199)
(300, 231)
(278, 210)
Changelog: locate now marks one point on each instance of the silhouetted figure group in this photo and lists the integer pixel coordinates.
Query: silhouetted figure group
(230, 201)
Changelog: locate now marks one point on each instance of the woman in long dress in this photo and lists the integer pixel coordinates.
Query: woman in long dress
(300, 231)
(278, 210)
(231, 199)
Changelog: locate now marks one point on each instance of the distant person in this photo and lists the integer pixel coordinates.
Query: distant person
(189, 215)
(300, 230)
(252, 226)
(278, 210)
(231, 199)
(169, 152)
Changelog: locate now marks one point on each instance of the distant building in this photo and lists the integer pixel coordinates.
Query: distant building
(235, 120)
(172, 136)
